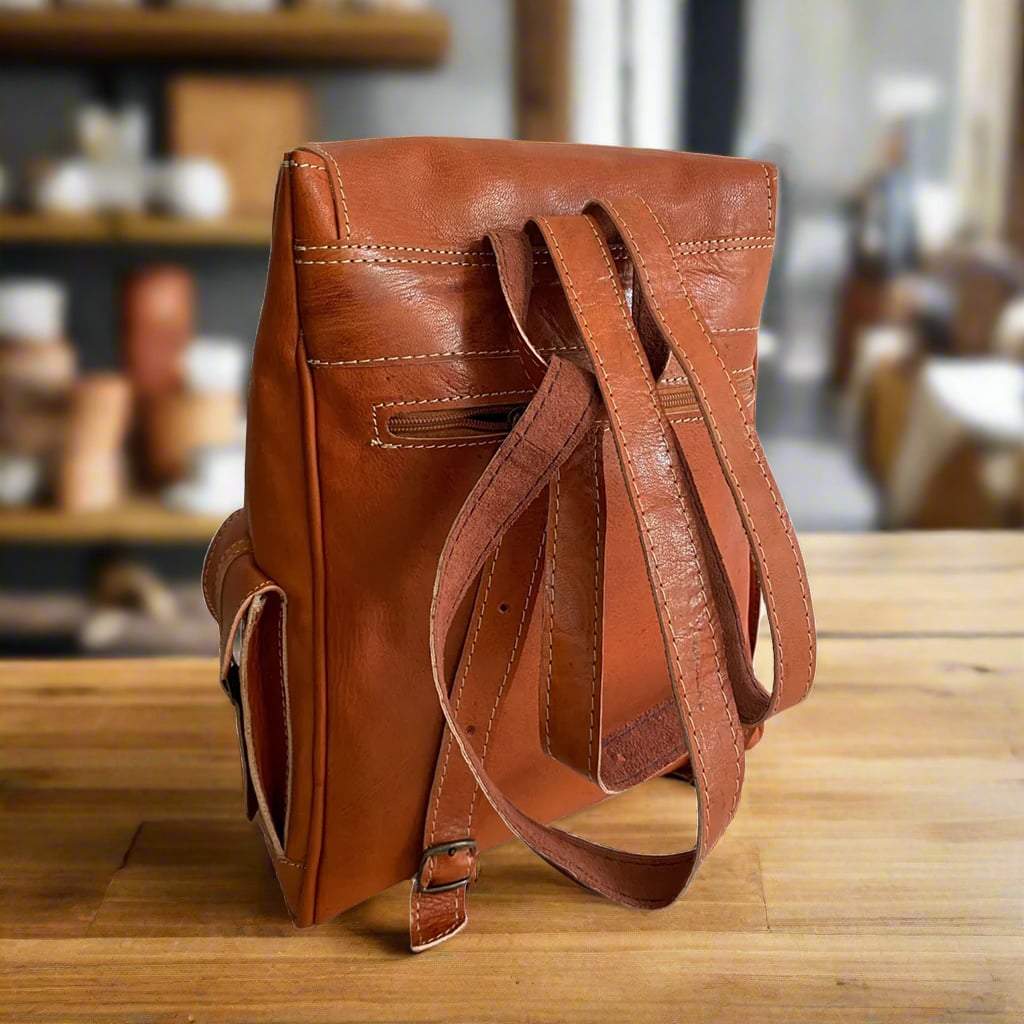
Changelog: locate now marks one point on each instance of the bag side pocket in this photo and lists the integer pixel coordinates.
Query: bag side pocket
(266, 718)
(251, 610)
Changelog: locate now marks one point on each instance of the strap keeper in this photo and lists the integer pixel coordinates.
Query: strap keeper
(450, 848)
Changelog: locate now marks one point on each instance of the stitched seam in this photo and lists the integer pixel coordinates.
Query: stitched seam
(208, 566)
(487, 352)
(397, 259)
(491, 264)
(698, 419)
(458, 704)
(662, 759)
(380, 442)
(380, 246)
(657, 710)
(341, 186)
(768, 187)
(295, 163)
(487, 253)
(592, 749)
(704, 794)
(684, 380)
(236, 550)
(459, 916)
(413, 446)
(505, 678)
(751, 441)
(551, 612)
(286, 718)
(734, 330)
(727, 240)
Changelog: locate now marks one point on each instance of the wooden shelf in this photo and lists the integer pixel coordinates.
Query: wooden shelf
(135, 229)
(140, 521)
(306, 34)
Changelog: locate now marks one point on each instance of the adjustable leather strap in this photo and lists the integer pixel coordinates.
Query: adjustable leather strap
(776, 556)
(780, 567)
(502, 608)
(706, 649)
(562, 413)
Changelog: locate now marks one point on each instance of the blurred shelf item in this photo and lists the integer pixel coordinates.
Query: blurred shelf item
(304, 33)
(134, 228)
(139, 520)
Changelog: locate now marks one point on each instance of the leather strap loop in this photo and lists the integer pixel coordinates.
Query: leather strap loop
(780, 567)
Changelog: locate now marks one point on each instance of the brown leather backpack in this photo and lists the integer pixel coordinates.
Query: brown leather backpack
(507, 522)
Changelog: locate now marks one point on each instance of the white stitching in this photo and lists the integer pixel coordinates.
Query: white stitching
(483, 353)
(460, 919)
(769, 593)
(392, 248)
(233, 552)
(491, 264)
(504, 679)
(557, 483)
(387, 247)
(592, 747)
(496, 439)
(416, 355)
(295, 163)
(630, 329)
(733, 330)
(208, 566)
(286, 714)
(341, 185)
(397, 259)
(684, 380)
(458, 702)
(768, 186)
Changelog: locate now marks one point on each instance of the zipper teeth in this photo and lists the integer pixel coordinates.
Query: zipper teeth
(485, 419)
(493, 419)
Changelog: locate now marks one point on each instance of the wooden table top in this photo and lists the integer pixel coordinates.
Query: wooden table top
(875, 870)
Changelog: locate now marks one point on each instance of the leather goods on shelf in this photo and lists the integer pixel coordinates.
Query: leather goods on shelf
(508, 524)
(92, 469)
(212, 117)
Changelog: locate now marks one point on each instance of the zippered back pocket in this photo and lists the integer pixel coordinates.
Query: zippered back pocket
(486, 418)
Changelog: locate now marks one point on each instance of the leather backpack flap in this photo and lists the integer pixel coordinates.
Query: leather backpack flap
(406, 364)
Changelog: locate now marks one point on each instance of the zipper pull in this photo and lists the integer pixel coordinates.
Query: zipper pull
(514, 415)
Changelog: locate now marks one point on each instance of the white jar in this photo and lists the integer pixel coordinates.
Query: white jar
(32, 310)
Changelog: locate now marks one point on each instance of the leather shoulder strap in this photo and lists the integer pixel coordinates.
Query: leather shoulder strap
(562, 413)
(780, 566)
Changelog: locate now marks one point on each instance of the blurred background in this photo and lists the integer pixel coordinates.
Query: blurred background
(139, 144)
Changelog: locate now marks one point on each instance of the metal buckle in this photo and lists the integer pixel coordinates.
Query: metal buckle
(451, 849)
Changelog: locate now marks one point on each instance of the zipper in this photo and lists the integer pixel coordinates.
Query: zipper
(481, 419)
(496, 420)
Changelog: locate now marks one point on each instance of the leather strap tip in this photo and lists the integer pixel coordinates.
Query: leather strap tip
(437, 940)
(435, 918)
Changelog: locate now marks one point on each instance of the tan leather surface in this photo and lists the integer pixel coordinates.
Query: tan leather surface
(383, 296)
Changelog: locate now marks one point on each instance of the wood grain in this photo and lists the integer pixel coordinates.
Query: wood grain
(139, 519)
(133, 229)
(875, 871)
